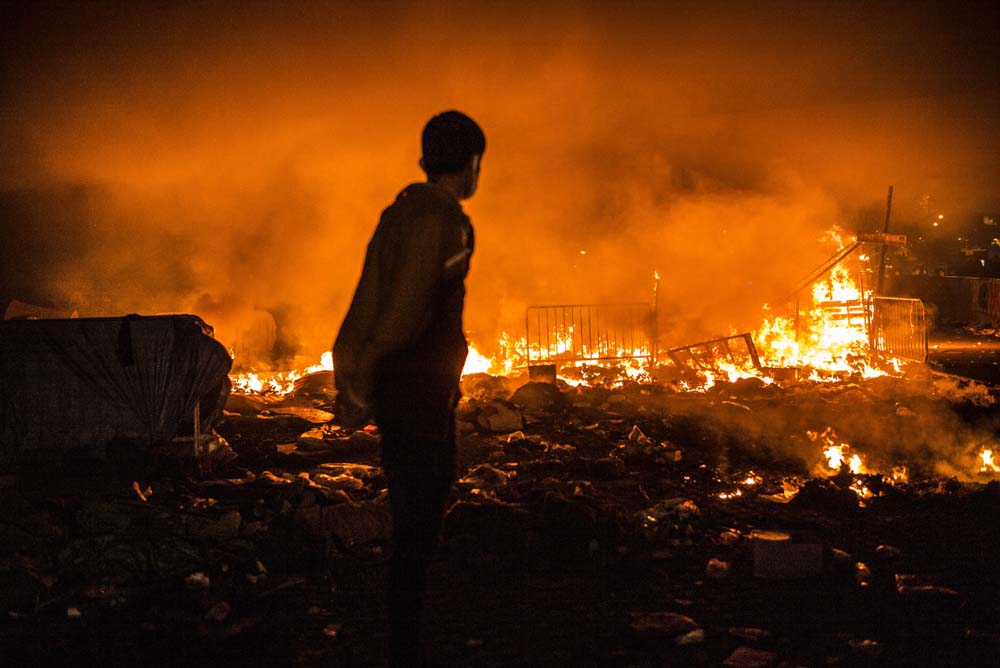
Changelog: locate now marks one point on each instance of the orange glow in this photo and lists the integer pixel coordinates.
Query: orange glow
(260, 178)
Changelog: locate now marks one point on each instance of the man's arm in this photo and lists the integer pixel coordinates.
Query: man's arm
(413, 271)
(352, 369)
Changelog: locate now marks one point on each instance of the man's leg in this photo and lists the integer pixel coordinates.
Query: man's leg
(420, 474)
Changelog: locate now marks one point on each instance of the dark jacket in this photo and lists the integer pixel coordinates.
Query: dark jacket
(404, 326)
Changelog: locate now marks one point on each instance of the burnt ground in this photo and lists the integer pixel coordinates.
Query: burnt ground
(589, 529)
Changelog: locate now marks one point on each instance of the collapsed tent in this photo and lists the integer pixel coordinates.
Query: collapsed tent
(87, 381)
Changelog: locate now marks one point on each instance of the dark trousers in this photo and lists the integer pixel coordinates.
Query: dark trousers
(420, 473)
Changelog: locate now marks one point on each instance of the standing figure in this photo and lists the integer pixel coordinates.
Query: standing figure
(400, 352)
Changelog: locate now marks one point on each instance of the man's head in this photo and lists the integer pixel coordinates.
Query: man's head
(453, 146)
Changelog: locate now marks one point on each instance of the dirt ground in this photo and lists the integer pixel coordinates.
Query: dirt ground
(612, 527)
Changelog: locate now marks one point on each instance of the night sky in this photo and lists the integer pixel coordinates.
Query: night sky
(231, 159)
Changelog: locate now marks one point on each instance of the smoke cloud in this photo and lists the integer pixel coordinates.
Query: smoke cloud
(231, 159)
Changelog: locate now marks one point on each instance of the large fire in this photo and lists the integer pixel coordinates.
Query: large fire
(818, 341)
(822, 341)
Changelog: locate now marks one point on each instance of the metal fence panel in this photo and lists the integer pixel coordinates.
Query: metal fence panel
(590, 332)
(899, 328)
(738, 350)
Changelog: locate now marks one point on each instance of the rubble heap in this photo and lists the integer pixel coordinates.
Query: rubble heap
(628, 526)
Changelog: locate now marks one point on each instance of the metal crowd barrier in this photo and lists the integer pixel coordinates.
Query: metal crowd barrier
(899, 328)
(738, 349)
(590, 332)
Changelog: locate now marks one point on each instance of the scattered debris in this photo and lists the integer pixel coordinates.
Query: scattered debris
(670, 520)
(670, 624)
(748, 657)
(749, 634)
(717, 569)
(497, 416)
(538, 396)
(779, 556)
(636, 497)
(695, 637)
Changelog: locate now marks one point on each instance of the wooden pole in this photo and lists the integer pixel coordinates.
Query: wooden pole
(885, 230)
(654, 334)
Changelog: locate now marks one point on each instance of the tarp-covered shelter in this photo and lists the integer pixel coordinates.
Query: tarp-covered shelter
(82, 382)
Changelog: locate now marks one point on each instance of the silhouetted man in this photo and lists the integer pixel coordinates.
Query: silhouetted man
(400, 353)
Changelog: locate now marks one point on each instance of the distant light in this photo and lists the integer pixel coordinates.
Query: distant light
(935, 225)
(583, 252)
(940, 216)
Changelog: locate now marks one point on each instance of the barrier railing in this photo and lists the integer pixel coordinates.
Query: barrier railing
(738, 350)
(590, 332)
(899, 328)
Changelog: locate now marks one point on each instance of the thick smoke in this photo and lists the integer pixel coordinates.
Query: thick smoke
(232, 161)
(932, 424)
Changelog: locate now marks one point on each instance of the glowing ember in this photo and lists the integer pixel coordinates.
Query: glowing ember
(751, 480)
(862, 491)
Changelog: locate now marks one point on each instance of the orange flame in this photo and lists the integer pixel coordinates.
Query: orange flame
(987, 464)
(828, 338)
(276, 383)
(831, 336)
(476, 362)
(838, 454)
